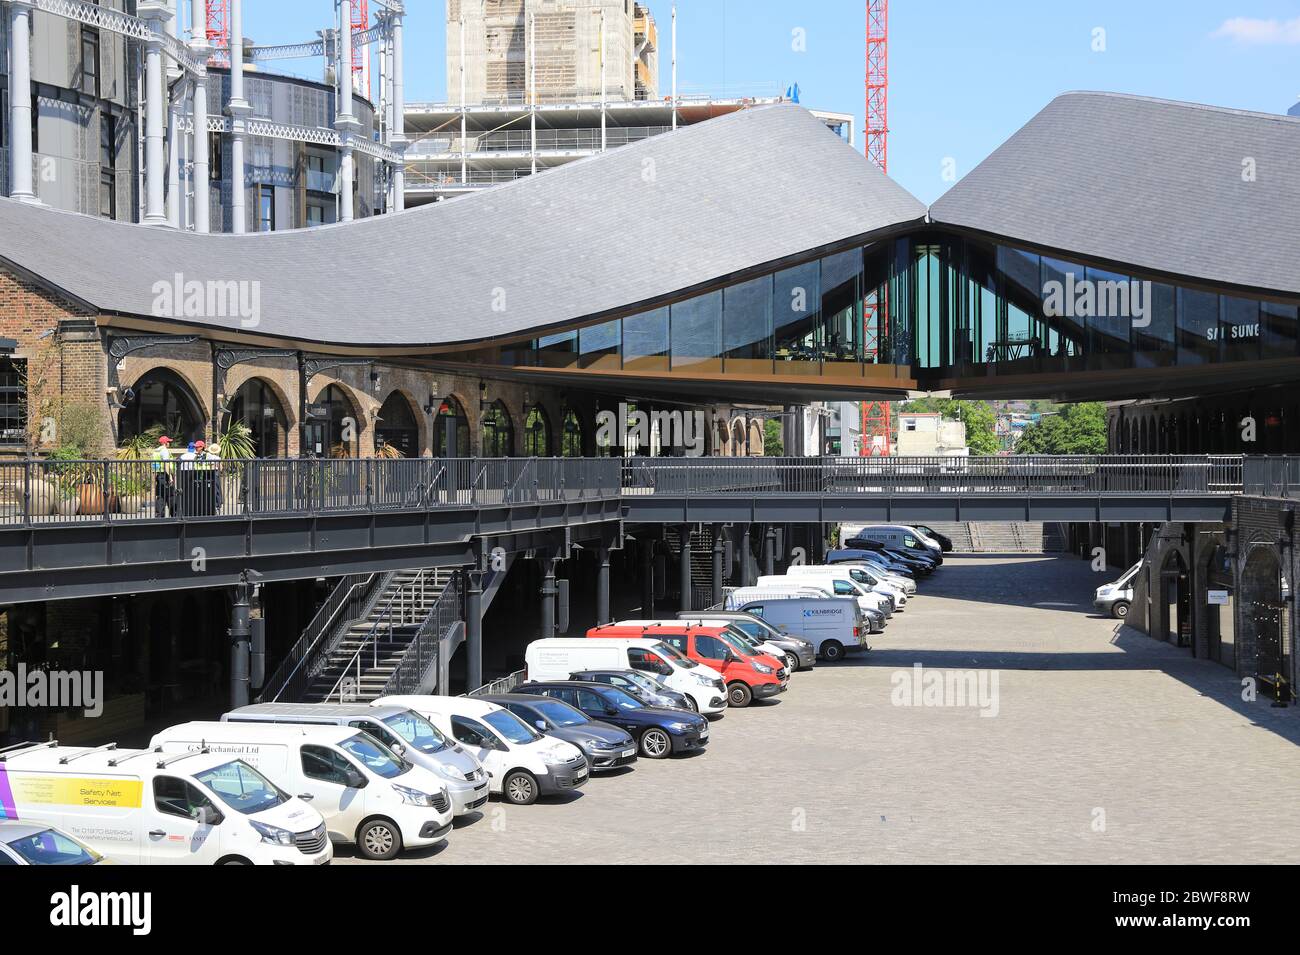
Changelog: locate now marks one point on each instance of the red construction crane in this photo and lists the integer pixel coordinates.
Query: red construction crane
(360, 52)
(875, 423)
(219, 31)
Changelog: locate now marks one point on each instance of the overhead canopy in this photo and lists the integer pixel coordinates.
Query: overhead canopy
(1195, 191)
(633, 225)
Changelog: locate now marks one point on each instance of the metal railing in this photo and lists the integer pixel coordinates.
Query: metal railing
(503, 685)
(346, 602)
(53, 491)
(404, 607)
(422, 652)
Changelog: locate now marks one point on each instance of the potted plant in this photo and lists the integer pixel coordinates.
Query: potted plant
(234, 444)
(133, 482)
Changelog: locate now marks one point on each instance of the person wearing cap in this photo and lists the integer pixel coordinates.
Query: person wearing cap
(164, 490)
(206, 460)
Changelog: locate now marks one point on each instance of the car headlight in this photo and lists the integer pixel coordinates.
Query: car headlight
(701, 680)
(599, 743)
(761, 667)
(679, 727)
(449, 772)
(273, 834)
(555, 757)
(412, 796)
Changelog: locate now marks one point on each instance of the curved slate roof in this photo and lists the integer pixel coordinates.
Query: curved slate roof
(1147, 182)
(637, 223)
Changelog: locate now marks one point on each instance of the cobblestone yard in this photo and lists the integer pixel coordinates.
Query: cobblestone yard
(1107, 747)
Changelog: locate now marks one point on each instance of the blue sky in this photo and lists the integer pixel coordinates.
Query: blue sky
(964, 75)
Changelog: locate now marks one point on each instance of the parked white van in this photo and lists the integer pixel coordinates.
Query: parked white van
(558, 657)
(369, 796)
(902, 536)
(843, 586)
(521, 763)
(401, 730)
(138, 806)
(859, 575)
(831, 624)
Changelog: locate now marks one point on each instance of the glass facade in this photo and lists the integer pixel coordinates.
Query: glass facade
(930, 306)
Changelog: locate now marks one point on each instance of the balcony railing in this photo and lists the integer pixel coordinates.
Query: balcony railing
(51, 491)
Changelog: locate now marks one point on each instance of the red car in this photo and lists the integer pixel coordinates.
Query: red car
(748, 675)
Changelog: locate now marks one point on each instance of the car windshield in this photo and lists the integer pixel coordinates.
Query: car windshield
(640, 680)
(672, 653)
(375, 756)
(418, 732)
(561, 713)
(621, 698)
(242, 788)
(50, 847)
(738, 643)
(511, 727)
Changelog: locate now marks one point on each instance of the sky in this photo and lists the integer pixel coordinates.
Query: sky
(963, 75)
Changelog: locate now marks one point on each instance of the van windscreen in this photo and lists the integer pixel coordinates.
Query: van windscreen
(375, 756)
(417, 731)
(670, 652)
(241, 787)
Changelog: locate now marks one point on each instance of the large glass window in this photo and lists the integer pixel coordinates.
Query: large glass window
(645, 341)
(1278, 330)
(747, 327)
(1061, 285)
(796, 306)
(841, 307)
(598, 345)
(13, 402)
(557, 351)
(497, 438)
(1109, 319)
(1198, 326)
(696, 333)
(1239, 329)
(537, 433)
(1153, 331)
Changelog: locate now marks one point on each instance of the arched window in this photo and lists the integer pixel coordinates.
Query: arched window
(572, 440)
(333, 425)
(496, 433)
(257, 406)
(397, 426)
(537, 433)
(451, 430)
(162, 402)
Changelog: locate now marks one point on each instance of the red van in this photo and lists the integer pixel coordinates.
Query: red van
(748, 675)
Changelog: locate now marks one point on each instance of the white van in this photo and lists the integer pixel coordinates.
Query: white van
(859, 575)
(369, 796)
(401, 730)
(842, 586)
(521, 763)
(902, 536)
(1117, 597)
(558, 657)
(831, 624)
(138, 806)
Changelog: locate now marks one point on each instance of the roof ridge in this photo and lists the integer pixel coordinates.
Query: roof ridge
(1185, 104)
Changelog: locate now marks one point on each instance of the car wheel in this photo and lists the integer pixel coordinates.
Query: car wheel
(792, 662)
(691, 704)
(832, 651)
(520, 788)
(1120, 610)
(738, 694)
(379, 839)
(656, 744)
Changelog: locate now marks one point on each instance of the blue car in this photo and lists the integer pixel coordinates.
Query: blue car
(659, 732)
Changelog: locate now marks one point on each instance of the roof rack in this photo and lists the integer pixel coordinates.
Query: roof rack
(64, 760)
(168, 760)
(133, 755)
(18, 748)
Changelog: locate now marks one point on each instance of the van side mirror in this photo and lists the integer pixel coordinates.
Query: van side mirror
(540, 724)
(207, 816)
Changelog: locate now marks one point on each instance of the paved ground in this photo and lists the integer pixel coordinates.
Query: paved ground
(1107, 747)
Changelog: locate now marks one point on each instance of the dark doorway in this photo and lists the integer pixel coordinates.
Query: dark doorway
(257, 406)
(451, 430)
(1176, 598)
(162, 401)
(397, 427)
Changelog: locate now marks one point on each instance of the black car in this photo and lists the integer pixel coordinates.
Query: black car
(605, 746)
(943, 540)
(659, 732)
(641, 685)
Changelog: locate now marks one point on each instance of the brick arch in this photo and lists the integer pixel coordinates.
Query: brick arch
(756, 437)
(365, 441)
(193, 395)
(422, 432)
(739, 437)
(471, 412)
(288, 408)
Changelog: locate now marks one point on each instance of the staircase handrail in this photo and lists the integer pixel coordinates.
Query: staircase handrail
(371, 638)
(422, 651)
(321, 624)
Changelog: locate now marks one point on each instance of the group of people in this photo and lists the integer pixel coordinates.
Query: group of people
(187, 475)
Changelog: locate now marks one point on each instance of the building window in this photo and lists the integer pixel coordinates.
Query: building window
(315, 214)
(107, 170)
(13, 402)
(90, 61)
(265, 208)
(214, 157)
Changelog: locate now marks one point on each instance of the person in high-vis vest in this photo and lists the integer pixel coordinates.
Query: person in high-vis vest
(207, 461)
(164, 488)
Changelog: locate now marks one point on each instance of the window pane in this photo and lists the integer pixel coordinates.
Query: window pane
(1279, 329)
(1198, 323)
(841, 280)
(796, 300)
(598, 345)
(1238, 328)
(645, 341)
(557, 351)
(696, 333)
(1111, 319)
(747, 326)
(1153, 342)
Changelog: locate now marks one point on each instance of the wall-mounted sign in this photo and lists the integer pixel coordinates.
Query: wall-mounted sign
(1217, 597)
(319, 410)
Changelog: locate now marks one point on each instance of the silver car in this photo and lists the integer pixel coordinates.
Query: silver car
(26, 843)
(399, 729)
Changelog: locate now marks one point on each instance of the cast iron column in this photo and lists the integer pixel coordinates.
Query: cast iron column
(602, 587)
(769, 551)
(240, 634)
(718, 550)
(685, 582)
(548, 597)
(647, 579)
(474, 629)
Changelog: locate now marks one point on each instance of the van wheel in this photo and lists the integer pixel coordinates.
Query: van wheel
(520, 788)
(738, 694)
(234, 860)
(655, 744)
(832, 651)
(379, 839)
(1120, 609)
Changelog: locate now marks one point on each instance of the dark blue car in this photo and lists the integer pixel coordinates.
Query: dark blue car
(659, 732)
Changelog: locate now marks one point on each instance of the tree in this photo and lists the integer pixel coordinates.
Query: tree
(1075, 429)
(772, 444)
(977, 416)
